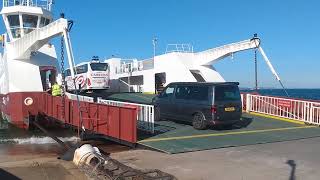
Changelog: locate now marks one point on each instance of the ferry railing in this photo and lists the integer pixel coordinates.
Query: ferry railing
(44, 4)
(316, 114)
(227, 48)
(116, 123)
(133, 65)
(180, 48)
(81, 98)
(299, 110)
(145, 114)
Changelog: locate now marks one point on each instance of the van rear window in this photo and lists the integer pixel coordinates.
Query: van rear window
(223, 93)
(199, 93)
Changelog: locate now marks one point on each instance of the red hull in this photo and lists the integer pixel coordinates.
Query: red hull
(118, 123)
(16, 111)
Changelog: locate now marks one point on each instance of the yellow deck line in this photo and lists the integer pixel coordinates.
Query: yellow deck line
(224, 134)
(277, 118)
(152, 93)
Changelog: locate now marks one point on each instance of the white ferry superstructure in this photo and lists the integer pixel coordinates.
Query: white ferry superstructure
(178, 65)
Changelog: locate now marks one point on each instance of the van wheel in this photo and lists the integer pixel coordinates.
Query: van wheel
(157, 116)
(199, 121)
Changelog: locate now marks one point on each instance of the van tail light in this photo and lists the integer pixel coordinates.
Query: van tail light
(214, 109)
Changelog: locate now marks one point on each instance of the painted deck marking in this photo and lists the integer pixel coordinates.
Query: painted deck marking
(224, 134)
(277, 118)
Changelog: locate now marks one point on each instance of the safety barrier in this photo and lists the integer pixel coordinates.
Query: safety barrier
(299, 110)
(117, 123)
(45, 4)
(316, 114)
(81, 98)
(145, 115)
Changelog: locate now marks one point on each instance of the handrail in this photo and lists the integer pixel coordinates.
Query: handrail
(81, 98)
(207, 57)
(180, 48)
(284, 98)
(44, 4)
(298, 110)
(145, 114)
(133, 65)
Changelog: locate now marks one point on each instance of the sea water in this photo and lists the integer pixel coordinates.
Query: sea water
(13, 135)
(308, 94)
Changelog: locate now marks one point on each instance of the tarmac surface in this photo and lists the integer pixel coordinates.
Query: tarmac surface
(38, 162)
(297, 159)
(32, 155)
(290, 160)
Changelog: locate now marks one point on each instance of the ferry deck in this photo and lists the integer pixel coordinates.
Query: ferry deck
(254, 128)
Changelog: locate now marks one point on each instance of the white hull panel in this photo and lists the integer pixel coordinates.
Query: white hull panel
(176, 66)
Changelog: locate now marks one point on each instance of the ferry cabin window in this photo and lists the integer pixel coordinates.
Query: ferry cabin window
(47, 21)
(197, 76)
(99, 66)
(14, 25)
(82, 69)
(44, 22)
(29, 23)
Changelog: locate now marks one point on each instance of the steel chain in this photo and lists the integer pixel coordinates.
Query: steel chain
(63, 82)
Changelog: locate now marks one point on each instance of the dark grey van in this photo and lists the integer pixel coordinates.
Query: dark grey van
(202, 104)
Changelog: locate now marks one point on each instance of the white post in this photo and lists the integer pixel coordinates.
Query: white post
(311, 119)
(304, 111)
(248, 103)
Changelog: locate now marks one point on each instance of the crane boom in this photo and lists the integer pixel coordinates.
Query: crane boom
(210, 56)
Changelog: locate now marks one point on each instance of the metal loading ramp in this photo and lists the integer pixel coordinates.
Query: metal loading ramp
(173, 137)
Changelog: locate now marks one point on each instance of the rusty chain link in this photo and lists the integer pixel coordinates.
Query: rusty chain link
(63, 82)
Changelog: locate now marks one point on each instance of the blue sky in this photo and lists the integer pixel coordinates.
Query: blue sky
(289, 30)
